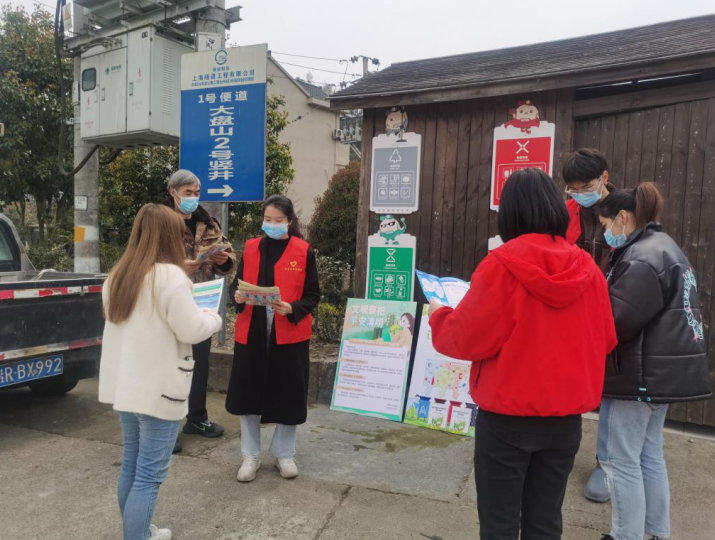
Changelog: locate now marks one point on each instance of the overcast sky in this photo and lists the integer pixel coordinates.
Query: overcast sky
(398, 30)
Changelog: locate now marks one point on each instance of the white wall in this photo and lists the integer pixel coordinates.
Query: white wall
(316, 156)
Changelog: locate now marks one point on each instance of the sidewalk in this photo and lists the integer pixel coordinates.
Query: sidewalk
(360, 478)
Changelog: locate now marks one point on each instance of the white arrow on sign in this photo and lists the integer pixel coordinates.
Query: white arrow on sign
(226, 190)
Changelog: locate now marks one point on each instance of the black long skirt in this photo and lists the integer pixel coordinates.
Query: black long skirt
(267, 379)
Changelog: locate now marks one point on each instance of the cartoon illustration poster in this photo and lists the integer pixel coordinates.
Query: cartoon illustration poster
(438, 397)
(391, 261)
(374, 360)
(395, 174)
(522, 142)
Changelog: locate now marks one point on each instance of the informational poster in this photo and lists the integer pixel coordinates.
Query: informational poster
(438, 397)
(374, 360)
(391, 261)
(223, 122)
(207, 295)
(395, 180)
(522, 142)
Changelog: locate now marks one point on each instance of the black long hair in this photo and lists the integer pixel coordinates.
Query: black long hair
(285, 205)
(531, 204)
(645, 202)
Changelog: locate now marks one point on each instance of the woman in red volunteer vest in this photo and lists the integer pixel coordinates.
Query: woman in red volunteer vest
(269, 379)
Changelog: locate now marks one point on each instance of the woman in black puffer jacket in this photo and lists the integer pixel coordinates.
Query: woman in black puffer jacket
(661, 358)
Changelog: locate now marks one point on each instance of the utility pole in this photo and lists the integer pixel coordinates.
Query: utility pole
(86, 191)
(365, 60)
(211, 34)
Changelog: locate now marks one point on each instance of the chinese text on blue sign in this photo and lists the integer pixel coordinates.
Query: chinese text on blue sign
(223, 122)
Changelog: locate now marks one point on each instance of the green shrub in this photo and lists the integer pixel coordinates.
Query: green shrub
(333, 229)
(51, 256)
(328, 323)
(109, 255)
(335, 279)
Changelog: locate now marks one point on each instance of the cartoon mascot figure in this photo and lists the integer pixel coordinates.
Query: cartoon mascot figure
(390, 229)
(524, 117)
(396, 121)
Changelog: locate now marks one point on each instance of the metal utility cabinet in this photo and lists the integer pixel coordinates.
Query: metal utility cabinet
(130, 91)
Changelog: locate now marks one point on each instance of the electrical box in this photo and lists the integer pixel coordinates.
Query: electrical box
(130, 90)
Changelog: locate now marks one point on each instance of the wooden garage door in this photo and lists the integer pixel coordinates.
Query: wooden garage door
(673, 146)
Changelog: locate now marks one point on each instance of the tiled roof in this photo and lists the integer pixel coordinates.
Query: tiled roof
(645, 44)
(315, 91)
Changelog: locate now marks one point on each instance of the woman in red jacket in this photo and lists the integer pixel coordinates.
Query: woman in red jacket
(537, 323)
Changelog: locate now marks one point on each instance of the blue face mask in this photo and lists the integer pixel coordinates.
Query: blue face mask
(188, 205)
(588, 198)
(612, 240)
(275, 231)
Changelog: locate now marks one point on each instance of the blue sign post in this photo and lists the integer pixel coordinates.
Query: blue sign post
(223, 122)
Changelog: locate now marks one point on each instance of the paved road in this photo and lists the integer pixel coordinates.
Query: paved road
(361, 479)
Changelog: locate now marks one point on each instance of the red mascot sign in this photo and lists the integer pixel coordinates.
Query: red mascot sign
(522, 142)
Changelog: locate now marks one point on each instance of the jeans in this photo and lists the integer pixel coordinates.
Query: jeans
(522, 466)
(197, 396)
(631, 452)
(148, 443)
(282, 446)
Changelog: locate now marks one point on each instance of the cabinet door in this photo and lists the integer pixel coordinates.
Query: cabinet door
(113, 93)
(139, 80)
(89, 97)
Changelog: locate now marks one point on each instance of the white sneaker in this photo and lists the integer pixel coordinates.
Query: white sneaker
(287, 467)
(155, 533)
(249, 468)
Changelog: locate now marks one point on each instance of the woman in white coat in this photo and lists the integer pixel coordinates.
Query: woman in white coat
(146, 366)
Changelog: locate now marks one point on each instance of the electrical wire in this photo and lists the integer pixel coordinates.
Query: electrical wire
(311, 57)
(318, 69)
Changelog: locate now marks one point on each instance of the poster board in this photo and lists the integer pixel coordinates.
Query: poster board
(395, 174)
(438, 397)
(371, 376)
(391, 264)
(523, 142)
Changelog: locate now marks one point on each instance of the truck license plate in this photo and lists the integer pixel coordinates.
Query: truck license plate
(29, 370)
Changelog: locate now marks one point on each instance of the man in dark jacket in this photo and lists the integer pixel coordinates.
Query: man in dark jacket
(661, 358)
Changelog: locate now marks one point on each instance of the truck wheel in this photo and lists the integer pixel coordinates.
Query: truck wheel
(52, 387)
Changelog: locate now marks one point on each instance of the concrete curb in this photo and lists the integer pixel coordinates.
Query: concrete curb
(320, 388)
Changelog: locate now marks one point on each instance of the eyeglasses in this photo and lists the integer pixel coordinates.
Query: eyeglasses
(585, 190)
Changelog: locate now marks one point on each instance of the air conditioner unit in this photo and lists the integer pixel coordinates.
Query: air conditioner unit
(338, 135)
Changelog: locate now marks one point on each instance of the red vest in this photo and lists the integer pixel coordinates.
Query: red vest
(573, 233)
(290, 279)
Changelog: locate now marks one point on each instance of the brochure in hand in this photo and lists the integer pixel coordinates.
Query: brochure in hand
(447, 290)
(209, 251)
(207, 295)
(259, 296)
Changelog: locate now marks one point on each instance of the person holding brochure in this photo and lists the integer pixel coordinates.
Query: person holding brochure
(146, 367)
(269, 378)
(207, 252)
(537, 324)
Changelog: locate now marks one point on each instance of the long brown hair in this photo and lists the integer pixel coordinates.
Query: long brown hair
(645, 201)
(157, 237)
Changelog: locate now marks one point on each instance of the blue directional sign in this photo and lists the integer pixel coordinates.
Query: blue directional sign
(223, 122)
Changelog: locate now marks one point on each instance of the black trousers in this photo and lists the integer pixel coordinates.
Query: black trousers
(197, 395)
(522, 466)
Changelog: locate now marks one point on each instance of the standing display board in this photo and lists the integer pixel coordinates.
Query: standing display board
(391, 261)
(438, 397)
(523, 142)
(395, 180)
(374, 358)
(223, 122)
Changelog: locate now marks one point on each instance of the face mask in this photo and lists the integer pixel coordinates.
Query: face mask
(277, 231)
(589, 198)
(188, 205)
(614, 241)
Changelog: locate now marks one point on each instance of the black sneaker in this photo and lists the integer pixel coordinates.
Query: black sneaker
(177, 448)
(207, 428)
